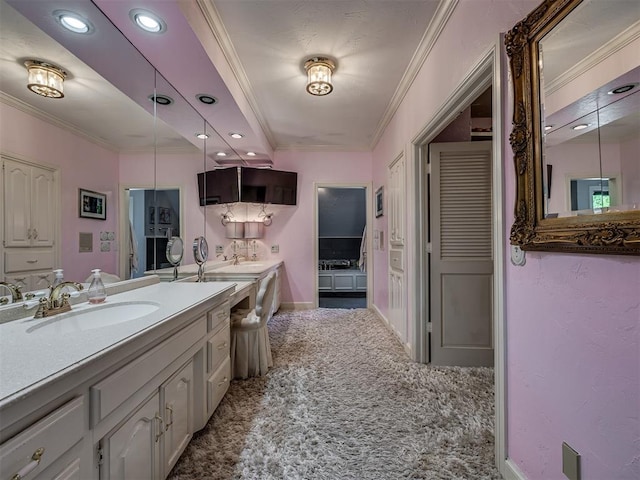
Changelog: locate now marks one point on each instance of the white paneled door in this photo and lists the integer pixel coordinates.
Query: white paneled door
(461, 272)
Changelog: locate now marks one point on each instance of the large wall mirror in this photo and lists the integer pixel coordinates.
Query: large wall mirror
(576, 127)
(143, 156)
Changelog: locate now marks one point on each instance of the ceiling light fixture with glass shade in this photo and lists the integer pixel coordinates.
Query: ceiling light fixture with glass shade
(45, 79)
(319, 71)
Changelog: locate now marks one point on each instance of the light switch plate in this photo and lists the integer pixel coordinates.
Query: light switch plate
(275, 248)
(219, 249)
(570, 462)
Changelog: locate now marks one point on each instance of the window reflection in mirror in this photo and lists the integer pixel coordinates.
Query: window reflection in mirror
(590, 102)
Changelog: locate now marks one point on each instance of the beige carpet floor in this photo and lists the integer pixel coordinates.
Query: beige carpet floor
(343, 401)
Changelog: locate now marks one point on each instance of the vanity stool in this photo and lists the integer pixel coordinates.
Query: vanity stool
(250, 348)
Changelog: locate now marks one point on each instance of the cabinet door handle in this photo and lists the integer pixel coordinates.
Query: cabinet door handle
(160, 427)
(224, 380)
(35, 233)
(32, 261)
(224, 345)
(170, 418)
(28, 233)
(222, 314)
(31, 466)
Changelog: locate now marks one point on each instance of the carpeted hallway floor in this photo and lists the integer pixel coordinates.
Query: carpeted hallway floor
(343, 401)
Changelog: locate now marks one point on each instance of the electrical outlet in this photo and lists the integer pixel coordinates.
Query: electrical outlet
(105, 247)
(275, 248)
(219, 249)
(570, 462)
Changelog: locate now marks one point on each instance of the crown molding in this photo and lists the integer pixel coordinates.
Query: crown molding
(322, 148)
(429, 39)
(212, 17)
(617, 43)
(34, 112)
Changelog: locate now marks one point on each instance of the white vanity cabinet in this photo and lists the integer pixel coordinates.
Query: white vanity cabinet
(129, 411)
(30, 214)
(149, 442)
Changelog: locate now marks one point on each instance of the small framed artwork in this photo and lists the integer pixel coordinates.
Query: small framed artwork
(164, 215)
(379, 202)
(152, 215)
(92, 204)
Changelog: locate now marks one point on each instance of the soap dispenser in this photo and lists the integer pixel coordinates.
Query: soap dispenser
(59, 277)
(96, 293)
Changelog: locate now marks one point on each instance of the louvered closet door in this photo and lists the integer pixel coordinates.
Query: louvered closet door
(461, 254)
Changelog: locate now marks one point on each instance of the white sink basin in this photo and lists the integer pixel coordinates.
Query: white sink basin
(89, 317)
(241, 267)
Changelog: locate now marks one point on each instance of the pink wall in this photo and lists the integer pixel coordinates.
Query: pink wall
(629, 155)
(81, 164)
(292, 227)
(573, 351)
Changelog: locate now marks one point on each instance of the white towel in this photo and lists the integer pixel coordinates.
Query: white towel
(362, 262)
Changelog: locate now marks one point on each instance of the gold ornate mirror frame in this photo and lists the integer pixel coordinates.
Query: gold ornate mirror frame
(606, 233)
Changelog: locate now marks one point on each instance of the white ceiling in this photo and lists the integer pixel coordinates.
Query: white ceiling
(265, 43)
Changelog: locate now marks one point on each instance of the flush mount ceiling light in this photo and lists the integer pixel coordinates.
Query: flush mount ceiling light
(582, 126)
(160, 99)
(251, 154)
(622, 89)
(73, 22)
(45, 79)
(207, 99)
(147, 21)
(221, 154)
(548, 127)
(236, 135)
(319, 71)
(202, 136)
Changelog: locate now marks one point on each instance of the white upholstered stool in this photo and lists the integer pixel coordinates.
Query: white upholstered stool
(250, 347)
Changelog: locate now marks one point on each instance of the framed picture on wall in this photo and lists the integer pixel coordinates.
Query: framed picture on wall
(379, 202)
(165, 215)
(92, 204)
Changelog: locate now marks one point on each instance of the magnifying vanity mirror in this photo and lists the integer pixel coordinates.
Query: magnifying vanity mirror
(174, 253)
(200, 254)
(576, 127)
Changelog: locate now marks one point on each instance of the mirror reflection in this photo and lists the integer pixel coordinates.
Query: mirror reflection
(108, 135)
(590, 103)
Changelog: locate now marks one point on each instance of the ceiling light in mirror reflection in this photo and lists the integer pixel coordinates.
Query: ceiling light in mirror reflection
(147, 21)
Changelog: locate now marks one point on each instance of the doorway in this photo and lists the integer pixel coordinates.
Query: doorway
(150, 218)
(341, 246)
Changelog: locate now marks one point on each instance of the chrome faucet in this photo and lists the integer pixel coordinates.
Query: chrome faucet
(57, 302)
(236, 258)
(16, 294)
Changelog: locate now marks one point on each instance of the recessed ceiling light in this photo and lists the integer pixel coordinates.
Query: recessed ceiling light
(161, 99)
(582, 126)
(548, 127)
(221, 154)
(622, 89)
(147, 21)
(251, 154)
(202, 136)
(236, 135)
(207, 99)
(73, 22)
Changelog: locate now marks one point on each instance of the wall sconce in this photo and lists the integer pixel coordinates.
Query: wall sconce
(253, 229)
(319, 71)
(234, 230)
(45, 79)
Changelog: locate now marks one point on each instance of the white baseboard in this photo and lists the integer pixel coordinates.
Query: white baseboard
(511, 471)
(385, 320)
(296, 306)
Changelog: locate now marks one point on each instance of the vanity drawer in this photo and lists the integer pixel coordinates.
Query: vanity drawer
(27, 260)
(53, 436)
(218, 315)
(218, 348)
(111, 392)
(217, 385)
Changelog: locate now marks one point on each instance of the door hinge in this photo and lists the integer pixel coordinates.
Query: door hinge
(429, 327)
(99, 456)
(428, 248)
(428, 169)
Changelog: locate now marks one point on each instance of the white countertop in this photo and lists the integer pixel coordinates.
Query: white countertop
(36, 351)
(226, 269)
